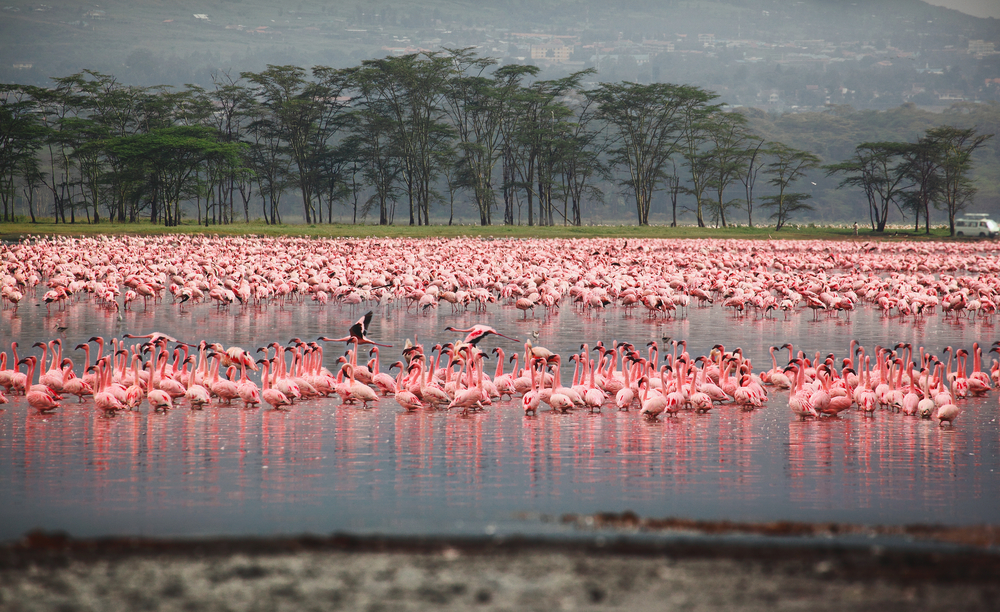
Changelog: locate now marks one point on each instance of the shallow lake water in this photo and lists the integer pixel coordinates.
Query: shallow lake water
(324, 467)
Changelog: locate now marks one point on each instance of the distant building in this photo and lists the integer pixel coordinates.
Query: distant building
(552, 51)
(706, 40)
(658, 46)
(981, 47)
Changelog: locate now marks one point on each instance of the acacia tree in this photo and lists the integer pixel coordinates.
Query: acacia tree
(232, 100)
(583, 160)
(920, 166)
(696, 116)
(754, 158)
(173, 157)
(376, 146)
(56, 109)
(725, 161)
(477, 106)
(270, 167)
(521, 143)
(20, 137)
(331, 129)
(410, 88)
(543, 136)
(877, 168)
(954, 147)
(648, 123)
(788, 166)
(294, 110)
(112, 111)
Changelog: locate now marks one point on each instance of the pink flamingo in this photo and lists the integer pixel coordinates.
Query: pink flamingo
(358, 333)
(104, 399)
(531, 399)
(247, 389)
(275, 398)
(39, 396)
(74, 386)
(197, 395)
(404, 398)
(477, 332)
(224, 389)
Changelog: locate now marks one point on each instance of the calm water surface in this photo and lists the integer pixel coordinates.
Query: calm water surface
(323, 467)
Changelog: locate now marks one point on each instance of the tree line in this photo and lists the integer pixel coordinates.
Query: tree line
(404, 134)
(914, 176)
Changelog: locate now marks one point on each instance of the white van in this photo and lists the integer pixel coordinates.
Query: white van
(976, 225)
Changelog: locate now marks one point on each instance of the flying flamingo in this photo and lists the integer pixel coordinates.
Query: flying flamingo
(358, 333)
(477, 332)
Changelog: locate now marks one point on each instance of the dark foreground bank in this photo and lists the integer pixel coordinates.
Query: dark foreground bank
(47, 572)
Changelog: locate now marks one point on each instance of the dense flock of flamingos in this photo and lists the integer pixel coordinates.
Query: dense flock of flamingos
(660, 277)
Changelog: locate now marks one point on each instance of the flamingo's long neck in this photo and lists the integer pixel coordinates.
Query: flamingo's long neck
(56, 355)
(135, 370)
(45, 352)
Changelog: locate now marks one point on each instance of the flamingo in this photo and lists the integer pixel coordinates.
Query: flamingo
(104, 399)
(626, 395)
(224, 389)
(477, 332)
(247, 389)
(383, 381)
(274, 397)
(39, 397)
(799, 400)
(557, 398)
(652, 407)
(531, 399)
(699, 400)
(947, 414)
(470, 398)
(593, 397)
(404, 398)
(134, 393)
(74, 386)
(358, 333)
(359, 391)
(197, 395)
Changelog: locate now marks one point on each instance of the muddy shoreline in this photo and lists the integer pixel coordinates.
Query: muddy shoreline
(45, 571)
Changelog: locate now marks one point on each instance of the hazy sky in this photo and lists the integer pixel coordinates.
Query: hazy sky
(979, 8)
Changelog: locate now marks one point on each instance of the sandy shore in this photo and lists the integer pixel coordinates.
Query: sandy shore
(44, 572)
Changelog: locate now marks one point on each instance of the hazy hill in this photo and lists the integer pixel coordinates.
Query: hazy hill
(159, 41)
